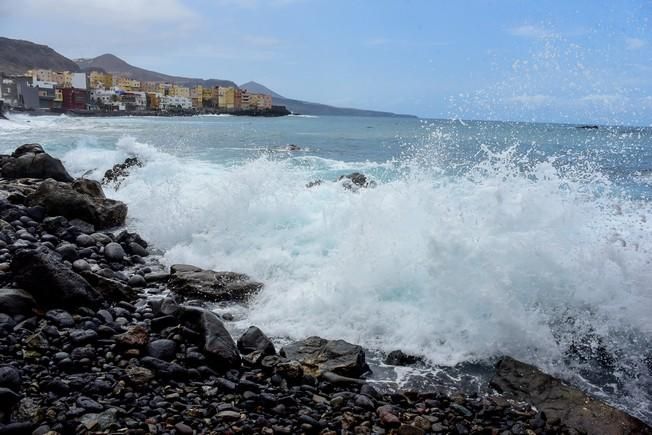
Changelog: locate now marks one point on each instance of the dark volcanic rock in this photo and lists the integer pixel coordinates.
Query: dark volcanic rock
(255, 340)
(162, 349)
(120, 171)
(356, 180)
(9, 377)
(61, 199)
(318, 355)
(217, 342)
(50, 281)
(109, 288)
(30, 161)
(15, 301)
(398, 358)
(114, 252)
(557, 400)
(213, 286)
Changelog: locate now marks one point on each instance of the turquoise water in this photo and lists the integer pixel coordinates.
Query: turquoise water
(480, 239)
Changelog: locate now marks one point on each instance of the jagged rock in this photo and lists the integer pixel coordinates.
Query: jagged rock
(15, 301)
(523, 382)
(108, 288)
(136, 336)
(30, 161)
(398, 358)
(50, 281)
(121, 170)
(255, 340)
(213, 286)
(355, 181)
(61, 199)
(318, 355)
(218, 344)
(89, 187)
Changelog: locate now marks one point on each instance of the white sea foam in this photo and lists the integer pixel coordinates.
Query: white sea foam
(497, 261)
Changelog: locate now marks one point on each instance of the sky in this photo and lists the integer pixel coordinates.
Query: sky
(556, 60)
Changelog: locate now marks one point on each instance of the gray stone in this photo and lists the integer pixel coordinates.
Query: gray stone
(114, 252)
(61, 318)
(318, 355)
(523, 382)
(85, 240)
(137, 281)
(255, 340)
(9, 377)
(214, 286)
(80, 266)
(162, 349)
(16, 301)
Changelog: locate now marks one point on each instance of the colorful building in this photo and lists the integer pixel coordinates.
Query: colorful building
(197, 96)
(260, 101)
(100, 80)
(126, 84)
(179, 91)
(175, 102)
(75, 99)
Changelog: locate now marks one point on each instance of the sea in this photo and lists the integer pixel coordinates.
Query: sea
(479, 239)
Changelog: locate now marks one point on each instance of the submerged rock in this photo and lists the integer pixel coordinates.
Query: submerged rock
(523, 382)
(318, 355)
(61, 199)
(355, 181)
(120, 171)
(212, 286)
(31, 161)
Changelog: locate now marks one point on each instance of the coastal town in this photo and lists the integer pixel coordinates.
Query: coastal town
(101, 93)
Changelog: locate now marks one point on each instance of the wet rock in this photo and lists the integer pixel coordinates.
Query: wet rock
(162, 349)
(137, 281)
(9, 377)
(114, 252)
(255, 340)
(164, 369)
(355, 181)
(60, 199)
(16, 301)
(61, 318)
(88, 187)
(136, 249)
(110, 289)
(217, 343)
(557, 400)
(318, 355)
(50, 281)
(120, 171)
(135, 337)
(398, 358)
(214, 286)
(30, 161)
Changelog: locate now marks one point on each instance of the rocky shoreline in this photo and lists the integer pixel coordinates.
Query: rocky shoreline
(97, 337)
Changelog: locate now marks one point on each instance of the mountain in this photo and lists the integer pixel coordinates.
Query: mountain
(308, 108)
(257, 88)
(17, 56)
(114, 65)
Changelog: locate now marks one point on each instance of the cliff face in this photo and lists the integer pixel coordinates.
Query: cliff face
(17, 56)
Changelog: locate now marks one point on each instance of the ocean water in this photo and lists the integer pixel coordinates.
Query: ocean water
(480, 239)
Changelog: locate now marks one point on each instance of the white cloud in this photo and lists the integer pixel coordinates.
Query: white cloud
(608, 100)
(537, 100)
(531, 31)
(133, 12)
(635, 43)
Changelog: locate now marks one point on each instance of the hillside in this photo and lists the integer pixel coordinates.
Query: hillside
(113, 64)
(257, 88)
(308, 108)
(17, 56)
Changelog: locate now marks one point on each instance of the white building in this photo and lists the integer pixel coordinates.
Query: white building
(175, 102)
(103, 96)
(79, 80)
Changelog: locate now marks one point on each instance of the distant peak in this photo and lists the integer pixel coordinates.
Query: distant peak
(257, 88)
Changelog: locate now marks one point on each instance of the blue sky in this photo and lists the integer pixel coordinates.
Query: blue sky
(576, 61)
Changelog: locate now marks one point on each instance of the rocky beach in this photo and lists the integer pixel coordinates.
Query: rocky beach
(97, 336)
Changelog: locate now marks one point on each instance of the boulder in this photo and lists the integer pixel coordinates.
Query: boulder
(61, 199)
(213, 286)
(30, 161)
(523, 382)
(218, 344)
(51, 281)
(15, 301)
(114, 252)
(318, 355)
(255, 340)
(108, 288)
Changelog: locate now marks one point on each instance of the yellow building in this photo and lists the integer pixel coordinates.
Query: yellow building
(260, 101)
(126, 83)
(153, 100)
(149, 86)
(226, 98)
(197, 96)
(179, 91)
(100, 80)
(210, 96)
